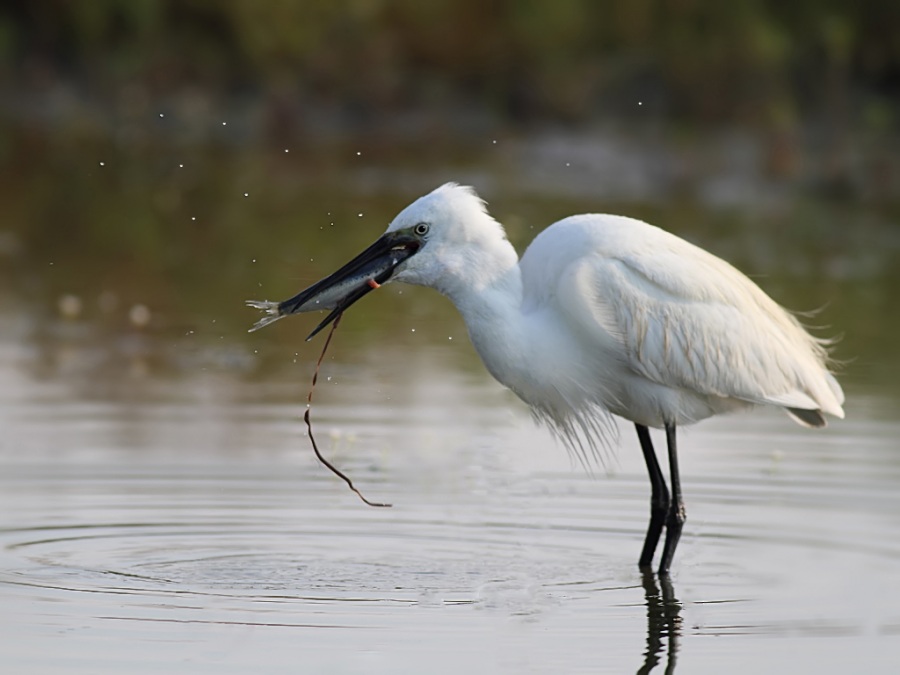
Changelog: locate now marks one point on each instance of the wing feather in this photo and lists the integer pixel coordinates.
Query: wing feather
(683, 318)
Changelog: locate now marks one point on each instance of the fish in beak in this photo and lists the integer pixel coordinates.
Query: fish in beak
(336, 292)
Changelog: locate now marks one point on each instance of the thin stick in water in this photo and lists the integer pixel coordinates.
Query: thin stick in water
(337, 472)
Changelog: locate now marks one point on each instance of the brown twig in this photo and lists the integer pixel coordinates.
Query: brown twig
(337, 472)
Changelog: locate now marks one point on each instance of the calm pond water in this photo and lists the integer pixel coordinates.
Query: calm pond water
(161, 509)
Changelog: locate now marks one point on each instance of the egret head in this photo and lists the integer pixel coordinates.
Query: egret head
(444, 240)
(454, 231)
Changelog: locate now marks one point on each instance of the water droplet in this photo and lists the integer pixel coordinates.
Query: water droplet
(286, 150)
(69, 306)
(359, 215)
(224, 123)
(181, 166)
(161, 115)
(359, 154)
(139, 315)
(102, 163)
(246, 194)
(193, 217)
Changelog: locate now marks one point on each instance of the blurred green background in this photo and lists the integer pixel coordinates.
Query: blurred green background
(161, 161)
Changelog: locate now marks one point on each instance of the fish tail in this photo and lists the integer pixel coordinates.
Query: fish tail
(272, 309)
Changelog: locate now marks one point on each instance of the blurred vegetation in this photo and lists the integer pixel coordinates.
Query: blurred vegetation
(758, 62)
(186, 154)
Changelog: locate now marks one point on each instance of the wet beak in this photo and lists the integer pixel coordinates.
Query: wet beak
(336, 292)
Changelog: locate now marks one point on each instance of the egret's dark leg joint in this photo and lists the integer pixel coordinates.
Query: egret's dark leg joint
(676, 516)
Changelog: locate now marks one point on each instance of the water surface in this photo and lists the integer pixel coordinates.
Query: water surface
(186, 526)
(161, 509)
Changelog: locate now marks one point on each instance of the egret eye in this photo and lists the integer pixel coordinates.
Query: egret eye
(421, 229)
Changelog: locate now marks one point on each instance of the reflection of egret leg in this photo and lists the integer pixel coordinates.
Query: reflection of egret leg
(663, 622)
(655, 622)
(672, 612)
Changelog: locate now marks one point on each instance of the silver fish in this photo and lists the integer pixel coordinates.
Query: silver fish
(338, 291)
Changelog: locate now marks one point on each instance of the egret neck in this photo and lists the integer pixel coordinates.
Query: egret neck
(491, 308)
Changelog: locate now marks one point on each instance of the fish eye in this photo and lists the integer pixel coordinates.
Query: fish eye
(421, 229)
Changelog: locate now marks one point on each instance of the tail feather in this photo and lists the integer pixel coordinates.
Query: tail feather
(835, 388)
(808, 418)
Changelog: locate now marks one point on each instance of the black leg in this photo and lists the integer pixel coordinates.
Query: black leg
(676, 516)
(659, 498)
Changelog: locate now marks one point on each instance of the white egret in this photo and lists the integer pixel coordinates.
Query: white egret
(602, 315)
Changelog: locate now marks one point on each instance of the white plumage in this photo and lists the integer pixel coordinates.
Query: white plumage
(612, 312)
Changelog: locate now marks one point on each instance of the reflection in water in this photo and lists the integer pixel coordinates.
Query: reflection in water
(663, 622)
(157, 491)
(166, 534)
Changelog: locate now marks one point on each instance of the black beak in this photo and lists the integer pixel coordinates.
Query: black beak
(366, 272)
